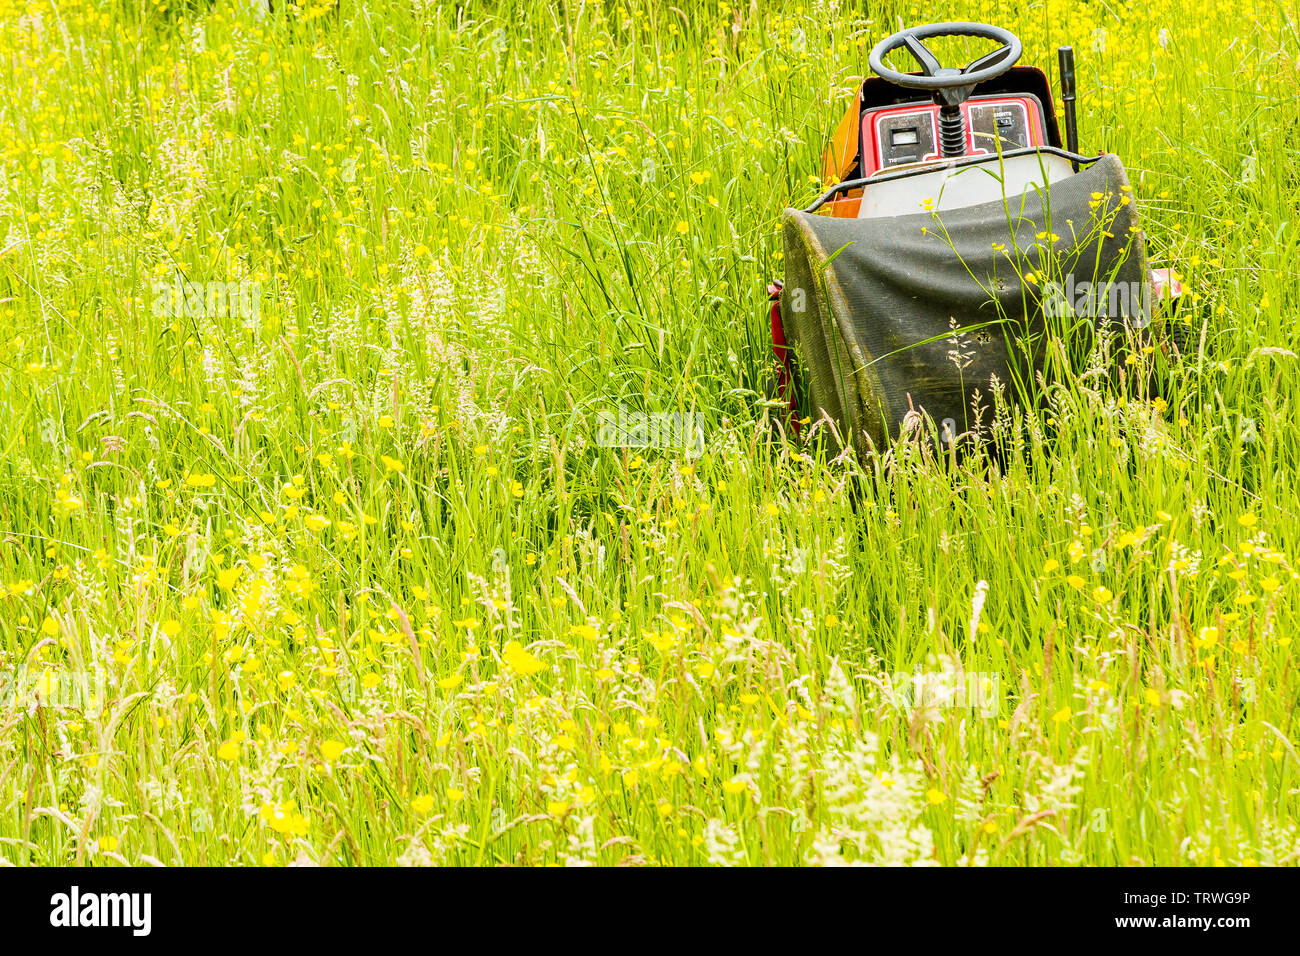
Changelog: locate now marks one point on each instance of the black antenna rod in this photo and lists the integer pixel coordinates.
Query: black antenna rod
(1065, 55)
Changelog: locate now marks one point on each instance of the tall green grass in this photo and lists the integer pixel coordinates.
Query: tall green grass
(351, 580)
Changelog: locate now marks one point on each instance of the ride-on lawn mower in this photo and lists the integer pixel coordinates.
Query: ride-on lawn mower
(965, 256)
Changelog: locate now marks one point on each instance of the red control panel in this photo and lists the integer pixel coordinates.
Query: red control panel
(898, 135)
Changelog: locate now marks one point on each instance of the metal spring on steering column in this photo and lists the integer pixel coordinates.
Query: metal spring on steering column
(952, 132)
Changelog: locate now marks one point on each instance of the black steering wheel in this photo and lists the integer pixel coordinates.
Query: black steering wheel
(950, 86)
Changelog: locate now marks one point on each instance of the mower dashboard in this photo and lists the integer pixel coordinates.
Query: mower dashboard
(858, 149)
(909, 133)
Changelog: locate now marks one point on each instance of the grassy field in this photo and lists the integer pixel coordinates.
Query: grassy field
(314, 551)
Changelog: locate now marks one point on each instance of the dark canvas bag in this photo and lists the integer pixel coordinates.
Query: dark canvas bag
(871, 305)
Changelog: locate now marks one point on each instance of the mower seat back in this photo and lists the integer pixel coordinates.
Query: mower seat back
(952, 186)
